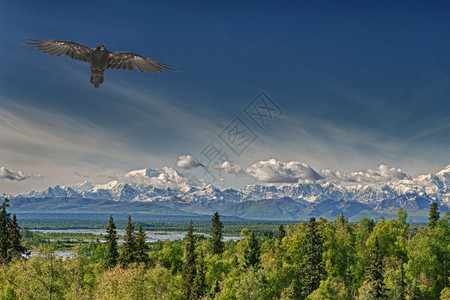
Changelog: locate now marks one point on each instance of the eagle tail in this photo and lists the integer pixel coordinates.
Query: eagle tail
(97, 78)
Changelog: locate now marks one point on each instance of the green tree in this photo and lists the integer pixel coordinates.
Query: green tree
(216, 290)
(400, 284)
(111, 241)
(281, 233)
(15, 248)
(199, 288)
(5, 221)
(129, 246)
(375, 273)
(216, 233)
(434, 215)
(311, 268)
(141, 246)
(252, 253)
(189, 269)
(428, 254)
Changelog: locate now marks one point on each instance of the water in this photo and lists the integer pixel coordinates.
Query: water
(151, 236)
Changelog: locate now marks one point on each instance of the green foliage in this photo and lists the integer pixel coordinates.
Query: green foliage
(111, 241)
(199, 287)
(15, 240)
(428, 256)
(375, 274)
(140, 254)
(434, 215)
(10, 236)
(331, 289)
(189, 268)
(281, 233)
(315, 260)
(311, 267)
(5, 221)
(252, 252)
(216, 234)
(127, 255)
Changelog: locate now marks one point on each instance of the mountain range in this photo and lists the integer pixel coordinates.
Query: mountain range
(165, 191)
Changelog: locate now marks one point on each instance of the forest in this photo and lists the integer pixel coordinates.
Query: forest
(318, 259)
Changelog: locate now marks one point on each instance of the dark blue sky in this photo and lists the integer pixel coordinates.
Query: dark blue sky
(359, 83)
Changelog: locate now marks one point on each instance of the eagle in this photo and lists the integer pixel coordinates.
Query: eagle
(99, 58)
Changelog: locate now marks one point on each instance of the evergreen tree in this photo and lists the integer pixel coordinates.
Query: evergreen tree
(216, 233)
(375, 274)
(199, 288)
(189, 269)
(111, 240)
(252, 253)
(129, 246)
(414, 292)
(434, 215)
(311, 268)
(5, 221)
(400, 284)
(215, 290)
(141, 246)
(15, 248)
(281, 233)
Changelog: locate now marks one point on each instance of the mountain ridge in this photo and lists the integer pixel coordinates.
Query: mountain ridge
(167, 188)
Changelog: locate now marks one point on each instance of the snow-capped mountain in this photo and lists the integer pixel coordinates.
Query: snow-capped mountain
(168, 187)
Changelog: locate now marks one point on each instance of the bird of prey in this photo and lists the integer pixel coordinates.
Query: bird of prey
(99, 58)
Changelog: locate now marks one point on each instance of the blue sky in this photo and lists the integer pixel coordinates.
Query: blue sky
(359, 84)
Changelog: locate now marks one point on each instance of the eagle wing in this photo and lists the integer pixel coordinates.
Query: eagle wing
(74, 50)
(128, 61)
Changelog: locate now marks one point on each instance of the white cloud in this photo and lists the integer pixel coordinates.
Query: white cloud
(229, 167)
(16, 175)
(274, 171)
(187, 162)
(383, 173)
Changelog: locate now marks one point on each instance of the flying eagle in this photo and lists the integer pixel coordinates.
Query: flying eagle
(99, 58)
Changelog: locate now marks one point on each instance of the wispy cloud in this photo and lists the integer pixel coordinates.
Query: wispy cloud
(17, 175)
(78, 174)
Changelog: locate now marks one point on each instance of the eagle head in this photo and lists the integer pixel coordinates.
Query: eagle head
(100, 47)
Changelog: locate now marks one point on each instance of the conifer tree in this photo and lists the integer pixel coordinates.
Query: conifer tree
(281, 233)
(216, 233)
(311, 268)
(189, 269)
(129, 246)
(199, 288)
(414, 292)
(434, 215)
(215, 290)
(141, 246)
(252, 253)
(400, 284)
(375, 274)
(15, 248)
(5, 221)
(111, 240)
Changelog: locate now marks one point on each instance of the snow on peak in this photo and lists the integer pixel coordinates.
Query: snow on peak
(107, 186)
(167, 184)
(84, 186)
(148, 172)
(444, 171)
(143, 179)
